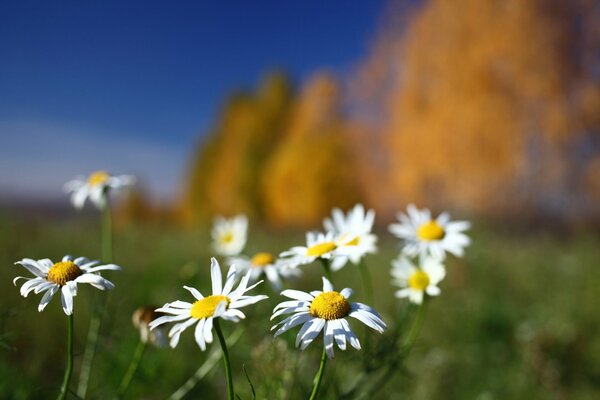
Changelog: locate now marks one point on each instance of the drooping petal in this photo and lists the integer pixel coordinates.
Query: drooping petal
(47, 297)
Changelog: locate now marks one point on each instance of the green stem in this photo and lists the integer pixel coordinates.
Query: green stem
(230, 392)
(327, 268)
(100, 306)
(367, 282)
(205, 368)
(133, 366)
(68, 371)
(319, 376)
(415, 328)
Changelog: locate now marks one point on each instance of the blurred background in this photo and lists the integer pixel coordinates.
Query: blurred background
(489, 109)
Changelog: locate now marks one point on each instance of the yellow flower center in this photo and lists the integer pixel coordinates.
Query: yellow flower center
(206, 307)
(419, 280)
(319, 249)
(63, 272)
(329, 305)
(262, 259)
(227, 238)
(431, 231)
(353, 242)
(98, 178)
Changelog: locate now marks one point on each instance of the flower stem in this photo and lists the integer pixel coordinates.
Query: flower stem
(67, 378)
(415, 328)
(230, 392)
(133, 366)
(100, 306)
(319, 376)
(327, 268)
(205, 368)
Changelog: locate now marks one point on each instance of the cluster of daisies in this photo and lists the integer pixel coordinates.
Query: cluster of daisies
(346, 239)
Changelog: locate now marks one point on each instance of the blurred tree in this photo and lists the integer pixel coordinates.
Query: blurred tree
(312, 169)
(490, 105)
(224, 174)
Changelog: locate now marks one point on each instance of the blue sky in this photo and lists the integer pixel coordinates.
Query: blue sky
(130, 86)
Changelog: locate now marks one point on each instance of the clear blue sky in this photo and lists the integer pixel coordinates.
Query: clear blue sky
(130, 85)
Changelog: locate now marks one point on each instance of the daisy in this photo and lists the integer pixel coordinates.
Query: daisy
(95, 187)
(416, 282)
(64, 276)
(223, 303)
(352, 232)
(424, 235)
(266, 264)
(229, 235)
(318, 245)
(324, 311)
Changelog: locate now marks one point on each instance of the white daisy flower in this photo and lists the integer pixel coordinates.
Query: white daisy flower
(324, 311)
(424, 235)
(353, 232)
(266, 264)
(229, 235)
(318, 245)
(95, 187)
(223, 303)
(416, 282)
(64, 276)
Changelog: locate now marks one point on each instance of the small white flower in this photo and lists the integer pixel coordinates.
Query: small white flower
(318, 245)
(266, 264)
(416, 282)
(324, 311)
(64, 276)
(95, 187)
(223, 303)
(229, 235)
(424, 235)
(353, 233)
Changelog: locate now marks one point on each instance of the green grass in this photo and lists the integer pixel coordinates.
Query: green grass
(517, 319)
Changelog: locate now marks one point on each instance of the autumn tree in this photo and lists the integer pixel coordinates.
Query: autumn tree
(491, 106)
(225, 170)
(312, 169)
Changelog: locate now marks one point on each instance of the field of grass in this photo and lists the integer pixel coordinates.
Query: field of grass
(518, 318)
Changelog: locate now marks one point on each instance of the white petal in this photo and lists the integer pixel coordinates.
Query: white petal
(107, 267)
(339, 334)
(316, 325)
(215, 276)
(67, 300)
(288, 310)
(229, 281)
(167, 319)
(297, 294)
(292, 321)
(33, 267)
(328, 339)
(199, 334)
(207, 330)
(291, 303)
(354, 342)
(327, 286)
(197, 295)
(47, 297)
(346, 292)
(96, 281)
(247, 300)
